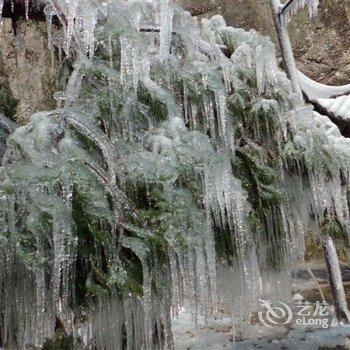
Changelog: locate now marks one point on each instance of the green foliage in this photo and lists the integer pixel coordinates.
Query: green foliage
(224, 245)
(258, 178)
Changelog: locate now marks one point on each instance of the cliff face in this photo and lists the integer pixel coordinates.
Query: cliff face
(28, 73)
(321, 45)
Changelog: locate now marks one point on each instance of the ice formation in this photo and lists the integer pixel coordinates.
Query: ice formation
(336, 280)
(168, 171)
(315, 90)
(1, 9)
(292, 7)
(339, 106)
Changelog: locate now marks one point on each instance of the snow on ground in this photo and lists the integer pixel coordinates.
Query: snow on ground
(217, 336)
(302, 339)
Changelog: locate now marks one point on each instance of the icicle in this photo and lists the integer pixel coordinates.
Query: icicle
(71, 11)
(147, 306)
(191, 281)
(225, 126)
(74, 84)
(26, 5)
(126, 63)
(1, 9)
(49, 13)
(89, 20)
(176, 296)
(166, 27)
(209, 114)
(185, 104)
(296, 5)
(135, 67)
(111, 84)
(145, 66)
(222, 112)
(168, 335)
(129, 324)
(211, 258)
(266, 70)
(40, 305)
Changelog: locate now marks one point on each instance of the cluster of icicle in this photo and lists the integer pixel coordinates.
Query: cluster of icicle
(26, 8)
(153, 47)
(296, 5)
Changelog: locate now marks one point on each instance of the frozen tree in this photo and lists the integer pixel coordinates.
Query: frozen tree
(169, 170)
(282, 14)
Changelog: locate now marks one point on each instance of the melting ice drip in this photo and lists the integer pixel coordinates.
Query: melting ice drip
(145, 166)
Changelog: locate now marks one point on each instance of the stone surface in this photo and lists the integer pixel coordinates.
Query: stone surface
(27, 68)
(321, 45)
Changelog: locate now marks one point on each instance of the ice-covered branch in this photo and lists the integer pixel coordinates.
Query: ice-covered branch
(287, 5)
(286, 47)
(335, 279)
(293, 6)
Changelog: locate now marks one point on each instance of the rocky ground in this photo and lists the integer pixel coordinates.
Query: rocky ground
(219, 335)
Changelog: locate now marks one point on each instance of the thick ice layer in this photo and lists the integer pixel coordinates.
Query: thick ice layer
(339, 107)
(315, 90)
(166, 25)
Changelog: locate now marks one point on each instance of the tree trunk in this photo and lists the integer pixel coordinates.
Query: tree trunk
(286, 47)
(335, 280)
